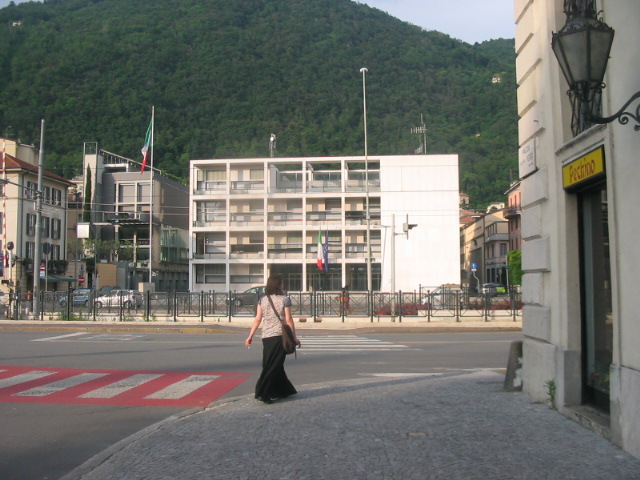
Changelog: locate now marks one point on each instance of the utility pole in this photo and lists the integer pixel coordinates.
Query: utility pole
(364, 71)
(272, 145)
(37, 255)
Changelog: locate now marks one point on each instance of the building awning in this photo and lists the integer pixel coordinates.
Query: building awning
(59, 278)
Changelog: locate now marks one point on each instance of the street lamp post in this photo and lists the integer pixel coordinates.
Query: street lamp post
(364, 71)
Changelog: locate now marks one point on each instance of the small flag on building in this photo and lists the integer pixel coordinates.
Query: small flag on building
(146, 149)
(320, 258)
(325, 251)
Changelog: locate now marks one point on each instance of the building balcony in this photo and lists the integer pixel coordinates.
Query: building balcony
(126, 218)
(497, 237)
(287, 187)
(247, 186)
(284, 250)
(325, 217)
(324, 186)
(512, 211)
(245, 219)
(216, 222)
(247, 251)
(210, 255)
(284, 218)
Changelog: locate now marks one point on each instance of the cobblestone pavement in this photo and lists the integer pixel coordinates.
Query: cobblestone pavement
(459, 425)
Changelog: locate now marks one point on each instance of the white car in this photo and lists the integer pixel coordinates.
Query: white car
(125, 298)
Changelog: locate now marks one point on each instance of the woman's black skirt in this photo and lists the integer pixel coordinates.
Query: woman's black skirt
(273, 382)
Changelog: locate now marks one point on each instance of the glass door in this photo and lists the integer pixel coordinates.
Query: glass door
(597, 317)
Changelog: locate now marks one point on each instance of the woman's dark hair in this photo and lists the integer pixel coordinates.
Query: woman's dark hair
(275, 285)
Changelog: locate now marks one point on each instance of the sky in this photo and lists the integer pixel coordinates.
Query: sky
(467, 20)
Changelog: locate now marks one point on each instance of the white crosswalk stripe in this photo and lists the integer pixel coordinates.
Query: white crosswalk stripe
(60, 385)
(121, 386)
(183, 387)
(344, 344)
(22, 378)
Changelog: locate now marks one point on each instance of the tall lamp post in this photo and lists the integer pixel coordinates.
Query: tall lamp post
(364, 71)
(582, 48)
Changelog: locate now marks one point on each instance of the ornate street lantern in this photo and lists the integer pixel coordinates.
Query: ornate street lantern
(582, 48)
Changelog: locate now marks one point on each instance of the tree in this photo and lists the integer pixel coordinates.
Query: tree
(514, 259)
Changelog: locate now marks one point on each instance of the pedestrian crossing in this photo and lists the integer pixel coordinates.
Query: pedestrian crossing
(318, 344)
(114, 387)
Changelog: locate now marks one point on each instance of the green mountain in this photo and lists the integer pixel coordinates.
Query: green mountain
(223, 75)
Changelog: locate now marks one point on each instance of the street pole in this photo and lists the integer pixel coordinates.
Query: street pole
(364, 71)
(393, 264)
(37, 255)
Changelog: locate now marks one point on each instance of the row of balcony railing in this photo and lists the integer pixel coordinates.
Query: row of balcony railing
(254, 218)
(354, 250)
(312, 186)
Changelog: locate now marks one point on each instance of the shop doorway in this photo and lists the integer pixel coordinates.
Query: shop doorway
(597, 314)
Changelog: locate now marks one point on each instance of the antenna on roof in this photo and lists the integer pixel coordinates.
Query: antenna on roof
(422, 149)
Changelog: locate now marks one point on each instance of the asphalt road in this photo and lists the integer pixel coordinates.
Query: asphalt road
(41, 439)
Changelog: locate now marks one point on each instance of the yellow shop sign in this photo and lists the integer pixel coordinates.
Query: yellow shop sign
(584, 169)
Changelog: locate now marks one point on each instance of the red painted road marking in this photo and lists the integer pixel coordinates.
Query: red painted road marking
(115, 387)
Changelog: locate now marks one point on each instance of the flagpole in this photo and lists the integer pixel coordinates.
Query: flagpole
(153, 113)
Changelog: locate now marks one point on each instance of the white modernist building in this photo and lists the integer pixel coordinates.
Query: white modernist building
(254, 217)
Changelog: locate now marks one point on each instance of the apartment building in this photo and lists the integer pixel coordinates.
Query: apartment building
(143, 228)
(579, 181)
(483, 249)
(254, 217)
(18, 214)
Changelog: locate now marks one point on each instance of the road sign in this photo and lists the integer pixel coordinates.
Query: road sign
(80, 279)
(43, 271)
(474, 267)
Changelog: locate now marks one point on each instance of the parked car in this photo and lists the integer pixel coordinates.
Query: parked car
(79, 297)
(248, 297)
(105, 290)
(493, 288)
(116, 298)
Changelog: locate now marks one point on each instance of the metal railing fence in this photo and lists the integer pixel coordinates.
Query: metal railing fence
(424, 304)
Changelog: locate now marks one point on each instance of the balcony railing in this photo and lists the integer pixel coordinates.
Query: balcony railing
(326, 216)
(246, 186)
(284, 218)
(203, 188)
(324, 186)
(512, 211)
(252, 218)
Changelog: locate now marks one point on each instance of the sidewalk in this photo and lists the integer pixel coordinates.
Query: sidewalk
(222, 324)
(460, 425)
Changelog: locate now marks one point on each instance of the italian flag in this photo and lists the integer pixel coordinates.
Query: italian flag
(146, 149)
(320, 261)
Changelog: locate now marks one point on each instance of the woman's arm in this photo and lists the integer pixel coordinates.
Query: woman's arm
(289, 321)
(254, 326)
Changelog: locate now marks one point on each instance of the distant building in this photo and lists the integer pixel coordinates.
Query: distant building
(254, 217)
(19, 267)
(122, 210)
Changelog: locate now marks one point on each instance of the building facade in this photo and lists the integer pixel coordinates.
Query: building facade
(254, 217)
(142, 229)
(18, 217)
(580, 227)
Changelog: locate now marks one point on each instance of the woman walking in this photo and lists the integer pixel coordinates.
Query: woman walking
(273, 383)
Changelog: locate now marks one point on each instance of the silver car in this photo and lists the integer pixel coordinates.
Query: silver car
(126, 298)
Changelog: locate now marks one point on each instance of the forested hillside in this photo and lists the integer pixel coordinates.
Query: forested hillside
(223, 75)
